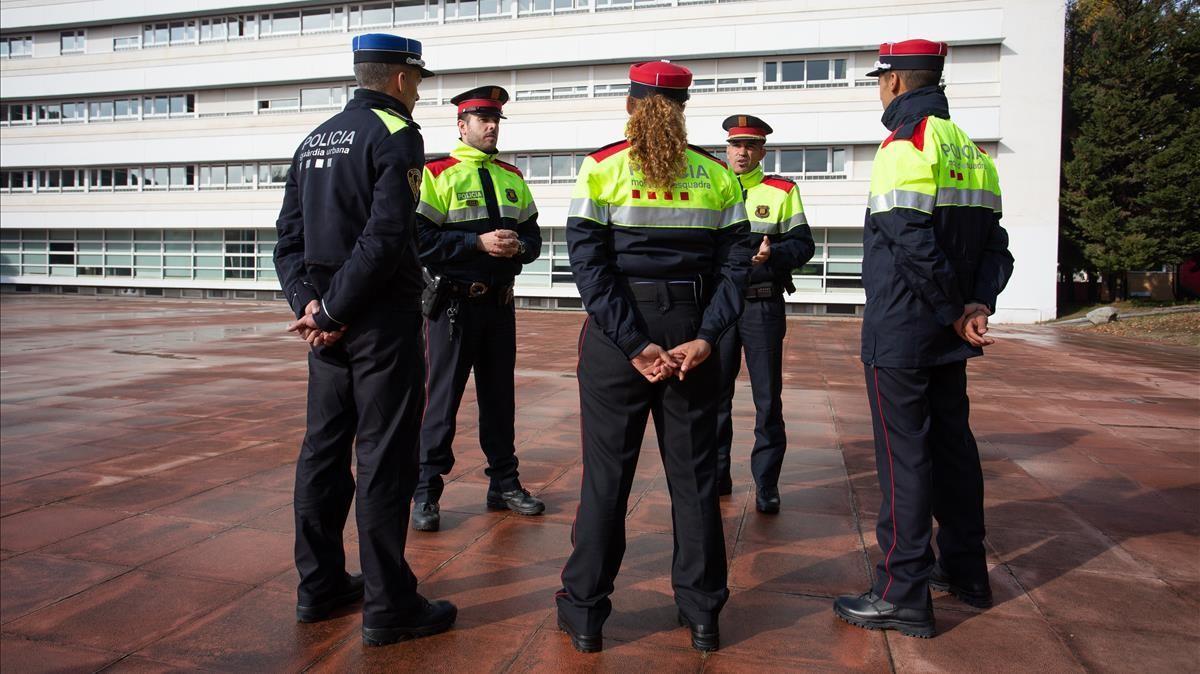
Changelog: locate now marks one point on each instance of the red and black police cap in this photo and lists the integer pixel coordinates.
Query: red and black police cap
(659, 77)
(746, 127)
(488, 100)
(910, 55)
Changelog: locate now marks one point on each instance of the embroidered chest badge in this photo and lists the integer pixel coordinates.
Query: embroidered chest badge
(511, 194)
(762, 211)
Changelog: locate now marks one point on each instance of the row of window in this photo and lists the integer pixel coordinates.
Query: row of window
(189, 177)
(245, 254)
(812, 163)
(229, 254)
(104, 110)
(323, 19)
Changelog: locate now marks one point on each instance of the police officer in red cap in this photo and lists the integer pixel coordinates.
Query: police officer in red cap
(934, 260)
(477, 226)
(777, 220)
(659, 246)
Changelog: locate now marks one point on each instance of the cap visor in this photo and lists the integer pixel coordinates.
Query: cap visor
(877, 73)
(425, 72)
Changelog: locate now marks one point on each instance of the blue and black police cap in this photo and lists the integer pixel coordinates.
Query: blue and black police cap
(746, 127)
(384, 48)
(488, 100)
(910, 55)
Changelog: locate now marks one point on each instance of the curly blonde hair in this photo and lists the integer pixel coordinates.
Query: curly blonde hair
(657, 134)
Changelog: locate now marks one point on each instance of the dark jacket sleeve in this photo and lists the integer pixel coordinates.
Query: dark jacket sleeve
(389, 229)
(924, 267)
(289, 250)
(995, 267)
(531, 235)
(437, 245)
(735, 247)
(794, 248)
(607, 303)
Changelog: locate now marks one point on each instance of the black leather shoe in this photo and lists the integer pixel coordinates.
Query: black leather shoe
(978, 595)
(767, 500)
(427, 516)
(584, 643)
(352, 592)
(704, 637)
(517, 500)
(724, 485)
(433, 618)
(870, 612)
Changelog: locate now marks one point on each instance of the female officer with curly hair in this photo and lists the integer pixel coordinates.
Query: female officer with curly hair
(659, 245)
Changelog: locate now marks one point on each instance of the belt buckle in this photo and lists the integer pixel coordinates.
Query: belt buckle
(477, 289)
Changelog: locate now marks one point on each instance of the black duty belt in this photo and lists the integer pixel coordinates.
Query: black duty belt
(762, 291)
(676, 291)
(477, 290)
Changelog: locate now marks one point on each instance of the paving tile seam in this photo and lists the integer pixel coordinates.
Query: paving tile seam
(37, 640)
(529, 641)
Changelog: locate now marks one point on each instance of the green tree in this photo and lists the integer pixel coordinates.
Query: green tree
(1131, 189)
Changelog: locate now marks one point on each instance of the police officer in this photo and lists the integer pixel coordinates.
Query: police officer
(477, 226)
(347, 261)
(785, 242)
(659, 246)
(935, 259)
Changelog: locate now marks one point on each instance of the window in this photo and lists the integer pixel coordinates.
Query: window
(16, 181)
(100, 110)
(321, 97)
(126, 108)
(71, 42)
(219, 28)
(577, 91)
(16, 114)
(272, 175)
(321, 20)
(127, 42)
(532, 6)
(810, 163)
(49, 113)
(279, 104)
(549, 168)
(16, 47)
(413, 11)
(621, 89)
(279, 23)
(533, 94)
(163, 34)
(810, 73)
(374, 14)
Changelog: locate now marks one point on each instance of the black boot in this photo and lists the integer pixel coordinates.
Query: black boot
(870, 612)
(315, 611)
(584, 643)
(433, 617)
(704, 637)
(978, 595)
(427, 516)
(767, 500)
(517, 500)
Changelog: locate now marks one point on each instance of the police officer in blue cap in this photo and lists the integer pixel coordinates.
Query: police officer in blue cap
(347, 262)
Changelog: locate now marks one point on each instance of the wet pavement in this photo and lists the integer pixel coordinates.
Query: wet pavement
(146, 469)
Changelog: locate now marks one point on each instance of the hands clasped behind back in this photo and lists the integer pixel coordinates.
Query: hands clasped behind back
(306, 327)
(658, 364)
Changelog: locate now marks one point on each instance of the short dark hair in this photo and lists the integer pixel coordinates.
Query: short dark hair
(376, 76)
(915, 79)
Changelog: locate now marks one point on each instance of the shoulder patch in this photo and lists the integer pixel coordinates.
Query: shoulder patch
(917, 138)
(780, 183)
(609, 150)
(436, 166)
(508, 167)
(701, 151)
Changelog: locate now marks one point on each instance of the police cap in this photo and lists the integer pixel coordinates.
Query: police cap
(746, 127)
(385, 48)
(659, 77)
(910, 55)
(487, 100)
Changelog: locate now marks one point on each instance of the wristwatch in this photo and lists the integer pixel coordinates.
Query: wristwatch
(520, 247)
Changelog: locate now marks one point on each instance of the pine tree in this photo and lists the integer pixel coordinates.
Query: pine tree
(1131, 189)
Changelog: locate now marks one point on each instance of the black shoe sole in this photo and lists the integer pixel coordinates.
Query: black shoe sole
(501, 505)
(582, 643)
(385, 636)
(965, 596)
(707, 644)
(766, 509)
(906, 628)
(325, 610)
(434, 526)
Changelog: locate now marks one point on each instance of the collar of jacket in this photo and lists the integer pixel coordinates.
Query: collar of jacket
(369, 98)
(471, 155)
(751, 178)
(915, 105)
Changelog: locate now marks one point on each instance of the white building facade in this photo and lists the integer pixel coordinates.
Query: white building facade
(143, 146)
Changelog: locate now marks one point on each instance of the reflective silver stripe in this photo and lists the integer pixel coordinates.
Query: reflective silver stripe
(880, 203)
(764, 226)
(527, 213)
(427, 210)
(733, 215)
(646, 216)
(469, 213)
(507, 211)
(956, 196)
(586, 208)
(793, 222)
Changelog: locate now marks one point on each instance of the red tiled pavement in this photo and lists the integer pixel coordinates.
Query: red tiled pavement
(145, 509)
